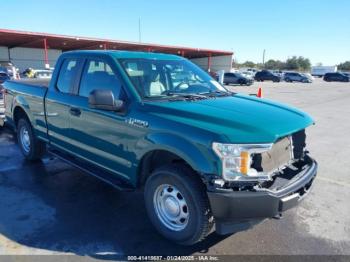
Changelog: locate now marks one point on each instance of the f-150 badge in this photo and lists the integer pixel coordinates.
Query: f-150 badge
(136, 122)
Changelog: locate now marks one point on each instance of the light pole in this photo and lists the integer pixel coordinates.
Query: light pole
(263, 58)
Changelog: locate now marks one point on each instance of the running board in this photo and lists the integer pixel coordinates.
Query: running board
(93, 170)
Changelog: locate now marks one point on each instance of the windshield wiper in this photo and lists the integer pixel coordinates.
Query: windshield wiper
(217, 93)
(192, 96)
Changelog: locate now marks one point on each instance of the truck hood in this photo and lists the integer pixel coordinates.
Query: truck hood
(238, 118)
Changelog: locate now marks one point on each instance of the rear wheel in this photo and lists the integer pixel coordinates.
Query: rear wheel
(31, 147)
(177, 204)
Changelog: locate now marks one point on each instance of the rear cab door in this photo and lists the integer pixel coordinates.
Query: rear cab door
(58, 100)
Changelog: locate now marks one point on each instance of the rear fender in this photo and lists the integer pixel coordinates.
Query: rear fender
(21, 102)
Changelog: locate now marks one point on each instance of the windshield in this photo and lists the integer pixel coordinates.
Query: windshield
(160, 78)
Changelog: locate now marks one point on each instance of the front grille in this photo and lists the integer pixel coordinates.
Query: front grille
(299, 144)
(281, 154)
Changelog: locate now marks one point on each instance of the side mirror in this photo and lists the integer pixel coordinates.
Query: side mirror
(104, 100)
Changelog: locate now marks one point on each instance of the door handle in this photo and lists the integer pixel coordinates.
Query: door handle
(75, 111)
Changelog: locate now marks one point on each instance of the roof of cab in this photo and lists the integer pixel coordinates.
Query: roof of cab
(128, 54)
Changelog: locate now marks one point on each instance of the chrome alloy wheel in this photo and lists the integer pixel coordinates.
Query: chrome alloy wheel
(25, 139)
(171, 207)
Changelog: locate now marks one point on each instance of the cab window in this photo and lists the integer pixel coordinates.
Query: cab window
(67, 75)
(98, 74)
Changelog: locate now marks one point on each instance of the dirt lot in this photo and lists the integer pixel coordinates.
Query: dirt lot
(51, 208)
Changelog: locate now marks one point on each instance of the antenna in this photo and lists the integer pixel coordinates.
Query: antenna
(140, 29)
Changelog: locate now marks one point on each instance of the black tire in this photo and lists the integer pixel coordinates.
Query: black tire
(36, 147)
(200, 220)
(242, 82)
(288, 80)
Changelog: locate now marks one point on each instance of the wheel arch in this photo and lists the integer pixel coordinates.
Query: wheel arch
(173, 150)
(18, 113)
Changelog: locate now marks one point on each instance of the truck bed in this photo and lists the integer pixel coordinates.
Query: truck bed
(30, 94)
(34, 82)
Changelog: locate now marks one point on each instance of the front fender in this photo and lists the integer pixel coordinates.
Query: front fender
(198, 157)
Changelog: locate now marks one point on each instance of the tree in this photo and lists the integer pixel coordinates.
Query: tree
(292, 63)
(249, 64)
(274, 64)
(304, 63)
(344, 66)
(298, 63)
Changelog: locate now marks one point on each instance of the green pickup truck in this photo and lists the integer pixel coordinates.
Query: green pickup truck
(202, 154)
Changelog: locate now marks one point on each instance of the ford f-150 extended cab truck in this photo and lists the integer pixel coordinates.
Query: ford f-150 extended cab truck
(202, 154)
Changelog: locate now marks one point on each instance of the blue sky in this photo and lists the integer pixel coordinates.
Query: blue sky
(317, 29)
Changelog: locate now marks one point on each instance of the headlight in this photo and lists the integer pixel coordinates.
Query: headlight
(237, 159)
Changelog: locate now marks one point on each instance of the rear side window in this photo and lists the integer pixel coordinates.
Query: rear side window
(99, 75)
(67, 75)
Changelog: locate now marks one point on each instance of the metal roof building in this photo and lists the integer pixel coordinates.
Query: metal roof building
(32, 49)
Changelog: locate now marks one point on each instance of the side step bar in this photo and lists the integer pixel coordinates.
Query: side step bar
(93, 170)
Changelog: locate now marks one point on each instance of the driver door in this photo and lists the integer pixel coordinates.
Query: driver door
(97, 135)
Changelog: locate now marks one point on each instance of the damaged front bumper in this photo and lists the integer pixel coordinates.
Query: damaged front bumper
(239, 210)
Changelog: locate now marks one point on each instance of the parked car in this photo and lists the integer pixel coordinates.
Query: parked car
(46, 74)
(3, 76)
(267, 75)
(280, 73)
(336, 77)
(248, 74)
(296, 77)
(253, 70)
(202, 154)
(214, 75)
(308, 75)
(237, 78)
(9, 69)
(2, 105)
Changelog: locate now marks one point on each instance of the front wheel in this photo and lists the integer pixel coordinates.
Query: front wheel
(31, 147)
(241, 82)
(177, 204)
